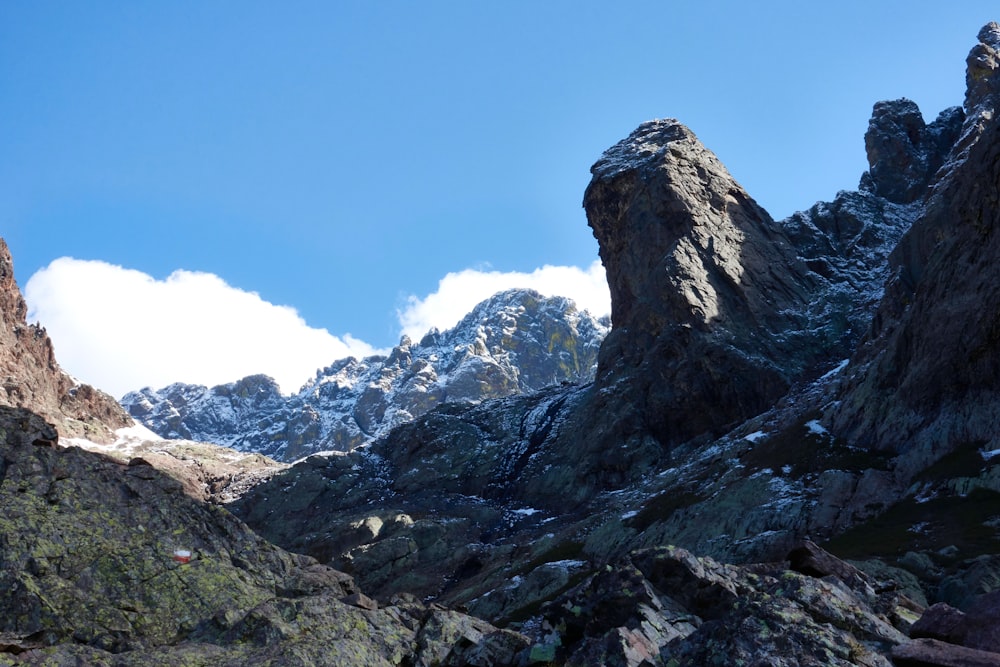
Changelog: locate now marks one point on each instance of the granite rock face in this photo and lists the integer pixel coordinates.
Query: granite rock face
(705, 287)
(904, 153)
(664, 606)
(743, 401)
(31, 375)
(105, 563)
(926, 375)
(514, 342)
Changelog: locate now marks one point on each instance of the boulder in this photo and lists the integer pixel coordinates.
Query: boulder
(935, 653)
(978, 627)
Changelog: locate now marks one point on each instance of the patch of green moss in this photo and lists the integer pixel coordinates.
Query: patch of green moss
(964, 461)
(805, 451)
(928, 526)
(661, 506)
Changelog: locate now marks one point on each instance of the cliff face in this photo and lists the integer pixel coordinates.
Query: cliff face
(641, 456)
(705, 286)
(926, 376)
(32, 377)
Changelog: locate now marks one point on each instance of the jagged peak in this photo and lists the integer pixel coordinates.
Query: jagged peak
(32, 377)
(515, 298)
(517, 340)
(644, 146)
(982, 76)
(904, 153)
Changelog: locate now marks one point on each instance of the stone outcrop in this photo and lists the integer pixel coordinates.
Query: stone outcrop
(30, 374)
(105, 563)
(926, 375)
(904, 153)
(947, 637)
(515, 342)
(934, 653)
(733, 412)
(705, 288)
(664, 606)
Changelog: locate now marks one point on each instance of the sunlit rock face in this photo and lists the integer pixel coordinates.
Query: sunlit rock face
(517, 341)
(707, 290)
(31, 377)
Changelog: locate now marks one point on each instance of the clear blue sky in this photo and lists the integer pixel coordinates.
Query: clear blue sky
(339, 156)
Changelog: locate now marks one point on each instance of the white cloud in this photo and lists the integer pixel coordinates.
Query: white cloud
(459, 292)
(120, 329)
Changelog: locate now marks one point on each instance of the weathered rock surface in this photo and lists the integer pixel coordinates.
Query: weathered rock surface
(742, 402)
(947, 637)
(904, 153)
(705, 288)
(206, 472)
(30, 375)
(665, 606)
(89, 574)
(934, 653)
(517, 341)
(978, 627)
(926, 376)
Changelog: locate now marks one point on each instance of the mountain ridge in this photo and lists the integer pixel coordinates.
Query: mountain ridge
(771, 394)
(725, 413)
(513, 342)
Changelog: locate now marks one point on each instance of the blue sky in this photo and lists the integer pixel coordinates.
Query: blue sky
(343, 158)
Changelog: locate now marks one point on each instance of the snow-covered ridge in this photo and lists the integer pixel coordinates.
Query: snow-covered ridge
(517, 341)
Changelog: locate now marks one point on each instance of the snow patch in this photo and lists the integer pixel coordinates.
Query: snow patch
(815, 427)
(841, 366)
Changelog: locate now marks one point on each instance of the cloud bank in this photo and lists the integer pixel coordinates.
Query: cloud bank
(120, 329)
(459, 292)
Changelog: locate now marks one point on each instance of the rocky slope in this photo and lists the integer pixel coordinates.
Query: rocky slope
(105, 563)
(117, 558)
(32, 377)
(831, 376)
(515, 342)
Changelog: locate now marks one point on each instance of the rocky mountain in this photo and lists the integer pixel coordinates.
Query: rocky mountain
(517, 341)
(32, 377)
(787, 456)
(831, 376)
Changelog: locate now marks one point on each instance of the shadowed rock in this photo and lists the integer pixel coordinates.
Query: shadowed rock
(904, 152)
(705, 288)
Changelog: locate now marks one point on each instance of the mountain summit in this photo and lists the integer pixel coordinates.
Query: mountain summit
(516, 341)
